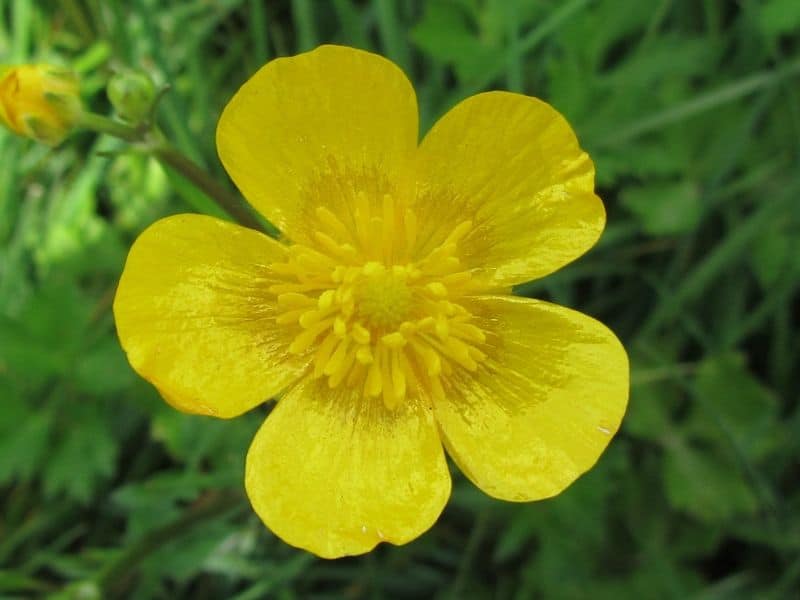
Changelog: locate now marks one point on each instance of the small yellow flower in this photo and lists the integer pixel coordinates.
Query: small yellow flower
(41, 102)
(384, 318)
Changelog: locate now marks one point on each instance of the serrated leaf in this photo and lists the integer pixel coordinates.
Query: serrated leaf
(83, 458)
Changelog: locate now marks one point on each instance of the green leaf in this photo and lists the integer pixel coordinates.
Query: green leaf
(43, 339)
(445, 34)
(160, 499)
(648, 413)
(775, 255)
(83, 458)
(103, 370)
(193, 438)
(778, 17)
(705, 486)
(735, 407)
(665, 209)
(24, 447)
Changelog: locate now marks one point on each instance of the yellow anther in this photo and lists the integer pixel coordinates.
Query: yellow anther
(459, 351)
(476, 354)
(364, 355)
(400, 272)
(407, 328)
(373, 268)
(430, 359)
(331, 223)
(456, 279)
(311, 260)
(458, 233)
(437, 288)
(394, 340)
(304, 340)
(340, 327)
(337, 358)
(350, 275)
(342, 370)
(334, 248)
(361, 334)
(326, 299)
(337, 276)
(323, 354)
(393, 328)
(426, 324)
(310, 317)
(290, 317)
(469, 332)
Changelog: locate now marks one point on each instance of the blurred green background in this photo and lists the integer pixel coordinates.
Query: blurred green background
(691, 110)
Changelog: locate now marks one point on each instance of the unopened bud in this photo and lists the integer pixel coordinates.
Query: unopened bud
(132, 95)
(41, 102)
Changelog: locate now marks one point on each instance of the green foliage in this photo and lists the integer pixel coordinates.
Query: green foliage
(691, 111)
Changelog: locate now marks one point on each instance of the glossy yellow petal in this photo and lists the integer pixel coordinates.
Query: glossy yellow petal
(336, 473)
(512, 165)
(541, 408)
(315, 130)
(195, 318)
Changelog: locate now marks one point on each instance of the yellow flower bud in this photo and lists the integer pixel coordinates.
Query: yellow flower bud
(41, 102)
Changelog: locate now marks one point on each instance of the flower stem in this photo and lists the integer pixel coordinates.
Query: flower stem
(231, 204)
(167, 154)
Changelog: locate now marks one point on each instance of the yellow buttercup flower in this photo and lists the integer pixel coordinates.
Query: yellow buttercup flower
(383, 318)
(41, 101)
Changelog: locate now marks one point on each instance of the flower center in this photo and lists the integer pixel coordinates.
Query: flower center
(382, 297)
(372, 314)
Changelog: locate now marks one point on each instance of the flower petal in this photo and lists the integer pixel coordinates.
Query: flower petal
(336, 474)
(195, 318)
(540, 410)
(314, 130)
(512, 165)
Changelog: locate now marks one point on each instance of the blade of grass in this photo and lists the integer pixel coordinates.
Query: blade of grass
(705, 102)
(701, 277)
(22, 20)
(352, 24)
(551, 24)
(392, 34)
(514, 61)
(303, 17)
(258, 30)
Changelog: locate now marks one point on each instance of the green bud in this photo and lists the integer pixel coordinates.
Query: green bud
(132, 94)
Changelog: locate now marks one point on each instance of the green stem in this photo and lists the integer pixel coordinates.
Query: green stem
(114, 128)
(171, 156)
(174, 158)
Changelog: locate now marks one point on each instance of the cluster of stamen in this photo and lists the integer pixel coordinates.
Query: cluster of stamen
(373, 314)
